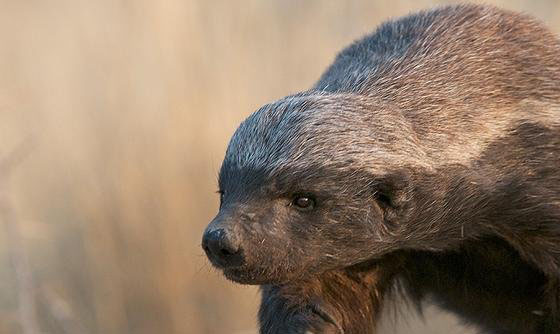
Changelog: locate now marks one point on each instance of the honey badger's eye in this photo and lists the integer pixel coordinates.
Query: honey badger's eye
(303, 202)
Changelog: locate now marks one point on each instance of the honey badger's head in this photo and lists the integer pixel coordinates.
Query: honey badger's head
(311, 183)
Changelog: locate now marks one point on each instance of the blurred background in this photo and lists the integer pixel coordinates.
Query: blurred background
(114, 118)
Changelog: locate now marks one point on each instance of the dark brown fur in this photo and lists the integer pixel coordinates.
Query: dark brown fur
(431, 149)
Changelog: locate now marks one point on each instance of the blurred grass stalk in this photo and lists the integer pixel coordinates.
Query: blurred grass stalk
(16, 249)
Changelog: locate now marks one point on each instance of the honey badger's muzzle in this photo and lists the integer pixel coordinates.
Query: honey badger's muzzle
(222, 245)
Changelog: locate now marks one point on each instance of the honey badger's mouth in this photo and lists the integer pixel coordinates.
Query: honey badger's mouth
(251, 276)
(261, 275)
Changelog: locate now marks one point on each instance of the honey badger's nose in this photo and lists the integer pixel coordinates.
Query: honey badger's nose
(222, 249)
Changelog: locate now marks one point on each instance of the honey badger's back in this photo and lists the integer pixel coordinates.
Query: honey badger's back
(463, 76)
(451, 54)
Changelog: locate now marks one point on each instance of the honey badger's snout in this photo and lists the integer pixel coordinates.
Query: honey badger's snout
(222, 245)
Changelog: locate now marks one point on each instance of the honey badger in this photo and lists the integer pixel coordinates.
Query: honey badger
(425, 161)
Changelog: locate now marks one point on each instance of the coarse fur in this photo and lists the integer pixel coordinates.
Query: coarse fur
(431, 152)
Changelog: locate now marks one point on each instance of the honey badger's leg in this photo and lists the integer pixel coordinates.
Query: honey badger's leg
(346, 301)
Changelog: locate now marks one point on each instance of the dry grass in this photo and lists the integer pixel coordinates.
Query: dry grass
(130, 106)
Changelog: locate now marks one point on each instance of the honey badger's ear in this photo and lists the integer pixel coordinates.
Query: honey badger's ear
(392, 193)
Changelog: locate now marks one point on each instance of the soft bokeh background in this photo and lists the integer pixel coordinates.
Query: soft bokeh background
(114, 117)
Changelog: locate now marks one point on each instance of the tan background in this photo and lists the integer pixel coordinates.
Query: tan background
(124, 109)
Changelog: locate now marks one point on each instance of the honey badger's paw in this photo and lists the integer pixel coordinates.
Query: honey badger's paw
(321, 321)
(285, 313)
(307, 320)
(308, 326)
(337, 302)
